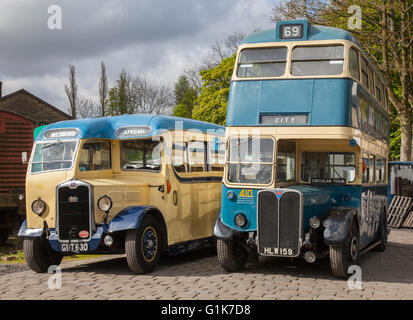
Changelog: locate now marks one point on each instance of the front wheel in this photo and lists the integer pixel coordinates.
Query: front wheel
(231, 255)
(143, 246)
(343, 256)
(39, 255)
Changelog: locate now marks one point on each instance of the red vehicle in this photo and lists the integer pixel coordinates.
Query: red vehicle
(16, 141)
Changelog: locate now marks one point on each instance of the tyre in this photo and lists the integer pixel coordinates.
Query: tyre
(39, 255)
(143, 245)
(383, 234)
(231, 255)
(343, 256)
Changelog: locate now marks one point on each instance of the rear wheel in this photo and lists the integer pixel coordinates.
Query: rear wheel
(143, 246)
(343, 256)
(39, 255)
(231, 255)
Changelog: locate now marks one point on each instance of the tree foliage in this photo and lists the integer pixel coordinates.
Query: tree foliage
(185, 97)
(138, 95)
(213, 100)
(71, 91)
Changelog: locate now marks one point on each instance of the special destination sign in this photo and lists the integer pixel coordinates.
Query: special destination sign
(277, 119)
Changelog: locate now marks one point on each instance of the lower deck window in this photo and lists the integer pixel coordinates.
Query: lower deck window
(251, 160)
(328, 165)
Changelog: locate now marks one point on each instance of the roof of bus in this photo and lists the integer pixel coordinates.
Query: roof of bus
(315, 32)
(106, 127)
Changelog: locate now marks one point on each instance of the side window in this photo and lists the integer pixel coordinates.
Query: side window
(371, 80)
(368, 169)
(196, 156)
(364, 114)
(95, 156)
(286, 161)
(354, 64)
(380, 170)
(216, 154)
(179, 157)
(364, 73)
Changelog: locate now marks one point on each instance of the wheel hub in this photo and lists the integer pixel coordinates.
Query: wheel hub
(354, 248)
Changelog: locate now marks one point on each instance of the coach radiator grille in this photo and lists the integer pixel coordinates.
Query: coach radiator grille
(279, 222)
(74, 211)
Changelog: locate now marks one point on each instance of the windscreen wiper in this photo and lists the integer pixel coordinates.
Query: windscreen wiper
(52, 144)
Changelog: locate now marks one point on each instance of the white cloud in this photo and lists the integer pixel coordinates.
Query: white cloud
(158, 38)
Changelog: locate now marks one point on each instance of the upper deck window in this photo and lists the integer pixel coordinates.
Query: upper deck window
(317, 60)
(251, 160)
(95, 156)
(262, 62)
(141, 155)
(53, 156)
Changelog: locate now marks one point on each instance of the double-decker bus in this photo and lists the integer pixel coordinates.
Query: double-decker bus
(307, 149)
(134, 184)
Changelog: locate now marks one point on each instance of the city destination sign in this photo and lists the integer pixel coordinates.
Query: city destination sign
(284, 119)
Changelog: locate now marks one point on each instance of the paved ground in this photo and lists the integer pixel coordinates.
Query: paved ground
(387, 275)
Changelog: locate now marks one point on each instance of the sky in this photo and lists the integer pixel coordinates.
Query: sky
(155, 38)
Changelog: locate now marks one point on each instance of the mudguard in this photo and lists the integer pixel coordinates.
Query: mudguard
(337, 225)
(221, 231)
(129, 218)
(26, 232)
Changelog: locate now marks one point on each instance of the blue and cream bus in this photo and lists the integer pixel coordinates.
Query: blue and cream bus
(307, 148)
(134, 184)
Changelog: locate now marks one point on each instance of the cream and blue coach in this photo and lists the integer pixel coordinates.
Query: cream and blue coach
(140, 184)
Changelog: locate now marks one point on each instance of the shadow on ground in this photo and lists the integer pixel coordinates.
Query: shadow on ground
(392, 266)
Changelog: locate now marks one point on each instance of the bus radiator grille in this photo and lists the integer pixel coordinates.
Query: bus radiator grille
(279, 223)
(73, 205)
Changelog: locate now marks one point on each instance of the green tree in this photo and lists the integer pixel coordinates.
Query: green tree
(185, 97)
(118, 101)
(212, 102)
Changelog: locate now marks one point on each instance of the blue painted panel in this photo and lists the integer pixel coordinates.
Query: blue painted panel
(129, 218)
(326, 101)
(315, 32)
(26, 232)
(317, 201)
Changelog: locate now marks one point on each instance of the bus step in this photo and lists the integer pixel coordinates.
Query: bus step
(399, 208)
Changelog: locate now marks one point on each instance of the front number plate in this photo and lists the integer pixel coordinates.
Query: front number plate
(75, 247)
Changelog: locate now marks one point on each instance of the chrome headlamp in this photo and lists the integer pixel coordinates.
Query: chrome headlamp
(315, 222)
(105, 203)
(240, 220)
(38, 206)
